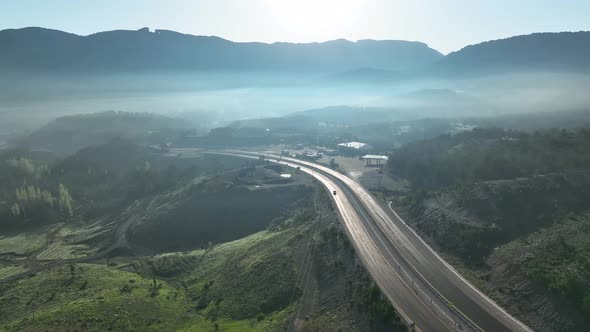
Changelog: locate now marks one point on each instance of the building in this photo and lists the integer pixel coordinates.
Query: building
(354, 148)
(375, 160)
(327, 152)
(308, 155)
(352, 145)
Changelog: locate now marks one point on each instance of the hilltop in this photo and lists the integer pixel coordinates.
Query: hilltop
(162, 50)
(565, 51)
(68, 134)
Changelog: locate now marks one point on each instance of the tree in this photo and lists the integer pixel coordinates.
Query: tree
(15, 209)
(21, 194)
(47, 197)
(26, 166)
(586, 306)
(65, 201)
(333, 163)
(32, 193)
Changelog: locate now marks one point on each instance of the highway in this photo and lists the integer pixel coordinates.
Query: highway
(424, 289)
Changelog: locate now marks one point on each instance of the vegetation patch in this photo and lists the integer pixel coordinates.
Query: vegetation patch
(558, 257)
(88, 297)
(22, 243)
(65, 251)
(10, 269)
(215, 211)
(524, 193)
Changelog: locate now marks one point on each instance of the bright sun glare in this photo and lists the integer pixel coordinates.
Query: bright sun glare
(315, 19)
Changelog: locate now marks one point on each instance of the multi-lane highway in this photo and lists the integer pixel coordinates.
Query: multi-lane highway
(424, 289)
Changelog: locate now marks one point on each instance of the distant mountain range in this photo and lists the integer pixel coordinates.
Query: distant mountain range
(366, 76)
(38, 49)
(162, 50)
(569, 51)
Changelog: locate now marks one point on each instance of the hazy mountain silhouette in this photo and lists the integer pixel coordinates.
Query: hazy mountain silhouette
(121, 50)
(365, 76)
(565, 51)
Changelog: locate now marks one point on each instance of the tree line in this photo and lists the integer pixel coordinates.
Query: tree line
(490, 154)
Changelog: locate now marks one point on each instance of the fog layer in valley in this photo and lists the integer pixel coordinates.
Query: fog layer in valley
(212, 99)
(212, 81)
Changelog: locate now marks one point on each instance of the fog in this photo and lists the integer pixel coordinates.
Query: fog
(212, 99)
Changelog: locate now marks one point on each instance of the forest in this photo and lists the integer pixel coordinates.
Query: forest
(490, 154)
(494, 198)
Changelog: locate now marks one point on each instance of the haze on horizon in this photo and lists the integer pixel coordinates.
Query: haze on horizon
(245, 165)
(444, 25)
(176, 75)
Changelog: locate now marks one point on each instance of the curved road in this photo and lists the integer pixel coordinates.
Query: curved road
(424, 289)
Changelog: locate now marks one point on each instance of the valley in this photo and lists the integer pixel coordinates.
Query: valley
(294, 166)
(176, 270)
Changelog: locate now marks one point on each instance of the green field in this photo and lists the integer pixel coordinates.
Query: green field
(223, 288)
(7, 270)
(23, 243)
(60, 250)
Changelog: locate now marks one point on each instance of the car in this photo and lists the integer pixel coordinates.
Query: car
(334, 192)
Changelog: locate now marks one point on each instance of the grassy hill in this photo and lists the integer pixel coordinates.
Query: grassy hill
(252, 284)
(510, 209)
(228, 246)
(68, 134)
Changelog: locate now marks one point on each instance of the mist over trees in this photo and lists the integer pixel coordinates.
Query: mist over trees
(490, 154)
(211, 82)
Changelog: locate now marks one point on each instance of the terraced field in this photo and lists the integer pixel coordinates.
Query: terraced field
(9, 269)
(60, 250)
(23, 243)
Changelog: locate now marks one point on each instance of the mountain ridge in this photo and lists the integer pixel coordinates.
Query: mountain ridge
(542, 50)
(169, 50)
(36, 48)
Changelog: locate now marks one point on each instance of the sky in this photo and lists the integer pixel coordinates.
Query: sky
(446, 25)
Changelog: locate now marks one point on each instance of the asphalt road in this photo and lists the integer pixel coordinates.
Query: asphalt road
(423, 288)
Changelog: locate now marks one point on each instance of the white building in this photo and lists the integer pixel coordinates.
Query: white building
(374, 159)
(353, 145)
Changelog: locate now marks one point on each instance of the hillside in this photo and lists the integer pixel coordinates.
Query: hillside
(490, 154)
(364, 76)
(162, 50)
(330, 118)
(252, 284)
(509, 209)
(565, 51)
(238, 248)
(325, 126)
(366, 60)
(68, 134)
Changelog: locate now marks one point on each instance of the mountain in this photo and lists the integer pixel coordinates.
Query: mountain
(332, 117)
(163, 50)
(365, 60)
(68, 134)
(564, 51)
(365, 76)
